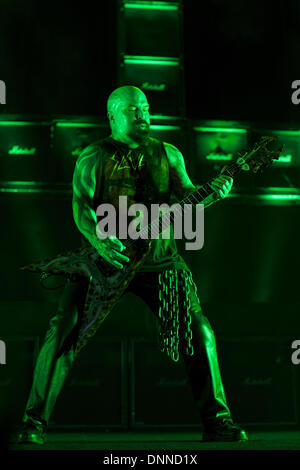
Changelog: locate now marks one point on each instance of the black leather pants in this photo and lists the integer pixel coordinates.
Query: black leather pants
(56, 356)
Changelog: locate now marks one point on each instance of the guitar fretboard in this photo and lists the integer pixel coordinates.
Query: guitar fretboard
(155, 227)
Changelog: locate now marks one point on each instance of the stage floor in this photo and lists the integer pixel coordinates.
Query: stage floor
(270, 440)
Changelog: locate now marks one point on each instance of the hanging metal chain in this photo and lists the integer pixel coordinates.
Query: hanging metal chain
(188, 334)
(165, 312)
(169, 310)
(174, 327)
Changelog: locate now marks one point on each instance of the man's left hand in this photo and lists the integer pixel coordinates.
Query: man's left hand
(222, 185)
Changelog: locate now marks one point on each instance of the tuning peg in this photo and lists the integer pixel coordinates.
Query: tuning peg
(246, 167)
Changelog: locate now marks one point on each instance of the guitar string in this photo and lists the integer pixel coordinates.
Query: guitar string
(230, 170)
(207, 191)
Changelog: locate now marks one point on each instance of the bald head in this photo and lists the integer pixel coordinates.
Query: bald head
(124, 95)
(128, 114)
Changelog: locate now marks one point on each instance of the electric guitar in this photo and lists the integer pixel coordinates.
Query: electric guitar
(106, 282)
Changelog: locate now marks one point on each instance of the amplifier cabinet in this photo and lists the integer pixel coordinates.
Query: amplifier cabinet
(259, 379)
(160, 392)
(16, 377)
(95, 392)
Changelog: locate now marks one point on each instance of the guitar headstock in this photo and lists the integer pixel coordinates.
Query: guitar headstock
(261, 155)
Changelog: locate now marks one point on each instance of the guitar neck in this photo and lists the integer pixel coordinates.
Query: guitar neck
(194, 198)
(258, 157)
(197, 196)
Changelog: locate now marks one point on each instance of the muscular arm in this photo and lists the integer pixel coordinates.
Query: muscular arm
(180, 179)
(84, 184)
(87, 170)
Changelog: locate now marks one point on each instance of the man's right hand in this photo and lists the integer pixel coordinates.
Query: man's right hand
(110, 249)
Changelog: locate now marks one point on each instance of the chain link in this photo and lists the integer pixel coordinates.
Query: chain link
(169, 310)
(187, 317)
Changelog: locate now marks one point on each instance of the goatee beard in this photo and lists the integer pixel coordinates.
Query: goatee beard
(140, 134)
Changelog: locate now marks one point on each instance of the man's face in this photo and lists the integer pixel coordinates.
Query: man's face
(131, 117)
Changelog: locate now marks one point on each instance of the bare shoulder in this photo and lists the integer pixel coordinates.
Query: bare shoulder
(180, 178)
(89, 156)
(90, 151)
(174, 155)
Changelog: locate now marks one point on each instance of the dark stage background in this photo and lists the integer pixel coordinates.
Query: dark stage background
(218, 75)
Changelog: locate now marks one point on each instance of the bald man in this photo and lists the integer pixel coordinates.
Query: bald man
(131, 163)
